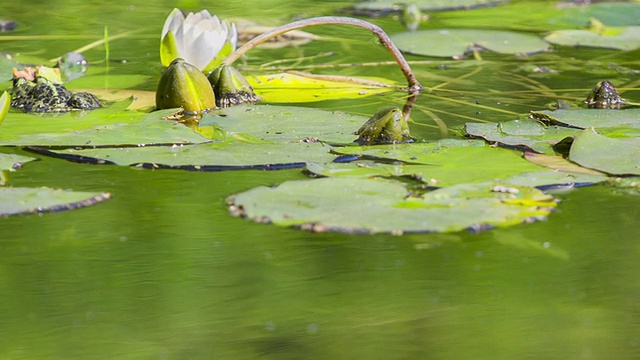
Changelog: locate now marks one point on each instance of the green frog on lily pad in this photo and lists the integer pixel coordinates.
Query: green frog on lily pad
(40, 91)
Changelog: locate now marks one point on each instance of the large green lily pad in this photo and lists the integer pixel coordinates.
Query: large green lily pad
(282, 124)
(111, 126)
(203, 157)
(336, 204)
(437, 164)
(15, 201)
(613, 156)
(525, 133)
(458, 42)
(619, 38)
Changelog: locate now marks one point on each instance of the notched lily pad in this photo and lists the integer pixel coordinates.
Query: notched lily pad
(336, 204)
(525, 133)
(458, 42)
(15, 201)
(609, 155)
(624, 122)
(619, 38)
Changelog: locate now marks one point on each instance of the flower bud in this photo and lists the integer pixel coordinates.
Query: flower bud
(231, 87)
(183, 85)
(387, 126)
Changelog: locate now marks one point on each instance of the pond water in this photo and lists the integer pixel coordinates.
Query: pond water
(162, 271)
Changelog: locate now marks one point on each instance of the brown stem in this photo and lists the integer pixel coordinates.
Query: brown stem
(414, 85)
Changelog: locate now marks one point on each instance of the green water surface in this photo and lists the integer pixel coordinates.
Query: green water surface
(162, 271)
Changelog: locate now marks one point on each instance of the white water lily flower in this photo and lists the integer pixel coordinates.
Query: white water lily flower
(201, 39)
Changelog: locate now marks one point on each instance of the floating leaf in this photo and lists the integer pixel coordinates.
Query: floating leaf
(560, 164)
(437, 164)
(335, 204)
(203, 157)
(303, 87)
(281, 124)
(619, 38)
(612, 14)
(14, 201)
(613, 156)
(458, 42)
(622, 122)
(111, 126)
(427, 5)
(13, 161)
(521, 133)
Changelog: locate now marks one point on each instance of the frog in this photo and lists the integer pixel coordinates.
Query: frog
(387, 126)
(604, 96)
(42, 95)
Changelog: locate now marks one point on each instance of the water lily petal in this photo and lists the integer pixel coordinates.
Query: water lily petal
(175, 18)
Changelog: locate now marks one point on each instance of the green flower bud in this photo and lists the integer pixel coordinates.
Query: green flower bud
(231, 87)
(183, 85)
(387, 126)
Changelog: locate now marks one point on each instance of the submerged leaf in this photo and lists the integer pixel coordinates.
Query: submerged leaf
(15, 201)
(457, 42)
(336, 204)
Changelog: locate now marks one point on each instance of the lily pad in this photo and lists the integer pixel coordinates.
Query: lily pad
(613, 156)
(111, 126)
(525, 133)
(610, 13)
(560, 164)
(296, 87)
(203, 157)
(282, 124)
(436, 164)
(336, 204)
(621, 122)
(426, 5)
(15, 201)
(457, 42)
(619, 38)
(13, 161)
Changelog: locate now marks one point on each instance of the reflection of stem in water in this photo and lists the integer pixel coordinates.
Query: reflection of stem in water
(414, 85)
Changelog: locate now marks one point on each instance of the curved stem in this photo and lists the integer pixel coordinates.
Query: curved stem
(414, 85)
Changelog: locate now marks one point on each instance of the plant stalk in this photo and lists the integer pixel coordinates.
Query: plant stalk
(413, 84)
